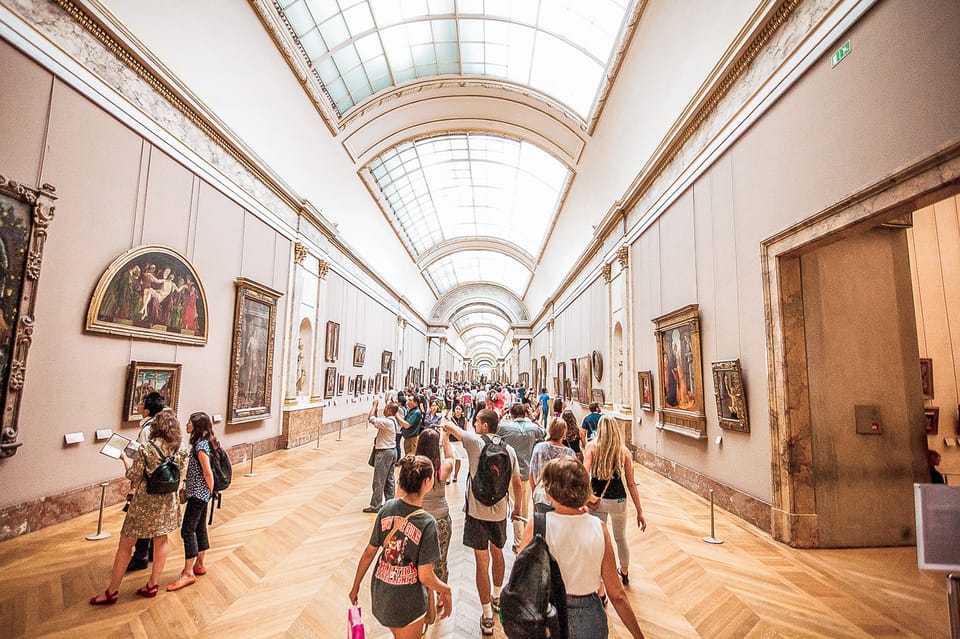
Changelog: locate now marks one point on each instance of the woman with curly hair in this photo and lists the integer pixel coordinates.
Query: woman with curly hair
(148, 516)
(435, 503)
(571, 437)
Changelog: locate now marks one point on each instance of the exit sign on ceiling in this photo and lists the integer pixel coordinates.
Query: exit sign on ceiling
(841, 53)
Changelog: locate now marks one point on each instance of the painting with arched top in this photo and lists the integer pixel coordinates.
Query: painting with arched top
(150, 292)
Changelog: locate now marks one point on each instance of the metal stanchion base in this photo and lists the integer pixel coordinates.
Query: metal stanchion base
(712, 540)
(97, 536)
(249, 474)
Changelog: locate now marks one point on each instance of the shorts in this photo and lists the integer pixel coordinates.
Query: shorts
(458, 450)
(478, 534)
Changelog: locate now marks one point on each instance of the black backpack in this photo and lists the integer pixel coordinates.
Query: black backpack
(165, 478)
(533, 604)
(492, 480)
(221, 467)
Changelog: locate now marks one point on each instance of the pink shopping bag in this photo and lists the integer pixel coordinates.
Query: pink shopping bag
(355, 624)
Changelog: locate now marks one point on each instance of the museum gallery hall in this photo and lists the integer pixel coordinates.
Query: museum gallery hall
(733, 225)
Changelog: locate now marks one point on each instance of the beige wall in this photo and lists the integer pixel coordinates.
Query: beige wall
(934, 244)
(862, 349)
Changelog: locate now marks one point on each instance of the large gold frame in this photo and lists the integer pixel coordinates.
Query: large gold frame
(239, 408)
(691, 422)
(34, 209)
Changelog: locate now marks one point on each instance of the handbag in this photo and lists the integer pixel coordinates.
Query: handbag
(355, 624)
(593, 501)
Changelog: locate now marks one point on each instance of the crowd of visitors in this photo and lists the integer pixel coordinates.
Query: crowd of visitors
(525, 452)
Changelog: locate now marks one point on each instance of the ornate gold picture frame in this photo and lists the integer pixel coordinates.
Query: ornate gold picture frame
(680, 371)
(731, 398)
(645, 385)
(251, 361)
(330, 382)
(584, 387)
(359, 355)
(331, 345)
(150, 292)
(144, 378)
(25, 215)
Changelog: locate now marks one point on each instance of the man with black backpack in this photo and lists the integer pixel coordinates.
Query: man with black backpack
(493, 470)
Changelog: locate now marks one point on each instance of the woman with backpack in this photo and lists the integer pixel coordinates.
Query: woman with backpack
(148, 515)
(197, 491)
(405, 535)
(608, 461)
(581, 546)
(435, 503)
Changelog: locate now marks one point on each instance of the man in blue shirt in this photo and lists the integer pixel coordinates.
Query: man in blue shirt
(544, 400)
(414, 424)
(589, 426)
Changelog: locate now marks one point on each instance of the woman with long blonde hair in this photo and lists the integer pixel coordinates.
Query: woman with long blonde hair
(608, 461)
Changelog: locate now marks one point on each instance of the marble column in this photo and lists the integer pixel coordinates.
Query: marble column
(290, 394)
(319, 333)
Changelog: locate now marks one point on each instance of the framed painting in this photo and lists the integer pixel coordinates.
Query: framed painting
(144, 378)
(351, 387)
(645, 384)
(596, 395)
(341, 383)
(596, 359)
(562, 371)
(556, 386)
(386, 358)
(731, 399)
(376, 388)
(574, 373)
(251, 361)
(331, 345)
(421, 372)
(931, 419)
(534, 366)
(568, 389)
(330, 382)
(370, 385)
(681, 373)
(359, 355)
(25, 216)
(926, 378)
(150, 292)
(584, 387)
(358, 386)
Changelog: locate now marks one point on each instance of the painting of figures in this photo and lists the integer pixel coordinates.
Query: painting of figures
(150, 292)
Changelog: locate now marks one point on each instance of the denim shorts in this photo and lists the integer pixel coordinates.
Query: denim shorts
(586, 618)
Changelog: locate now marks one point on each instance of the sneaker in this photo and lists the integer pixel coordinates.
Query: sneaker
(495, 604)
(371, 509)
(486, 626)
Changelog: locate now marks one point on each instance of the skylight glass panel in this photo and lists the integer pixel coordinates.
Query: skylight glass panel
(478, 266)
(469, 185)
(481, 318)
(560, 48)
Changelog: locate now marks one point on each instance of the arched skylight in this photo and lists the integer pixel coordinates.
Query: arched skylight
(481, 318)
(360, 47)
(482, 331)
(469, 185)
(477, 266)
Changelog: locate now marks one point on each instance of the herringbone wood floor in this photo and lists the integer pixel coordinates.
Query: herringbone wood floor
(285, 547)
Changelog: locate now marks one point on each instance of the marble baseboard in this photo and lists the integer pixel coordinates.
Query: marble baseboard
(31, 516)
(734, 501)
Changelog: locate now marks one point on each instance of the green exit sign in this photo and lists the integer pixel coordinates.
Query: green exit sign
(841, 53)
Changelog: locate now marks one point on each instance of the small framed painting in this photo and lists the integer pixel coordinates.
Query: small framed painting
(681, 373)
(144, 378)
(341, 383)
(926, 378)
(931, 419)
(359, 355)
(330, 382)
(645, 384)
(331, 348)
(386, 358)
(731, 400)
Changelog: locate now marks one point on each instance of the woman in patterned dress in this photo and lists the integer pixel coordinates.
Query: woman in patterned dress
(198, 491)
(148, 516)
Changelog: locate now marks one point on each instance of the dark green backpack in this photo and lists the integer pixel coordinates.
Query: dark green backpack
(165, 478)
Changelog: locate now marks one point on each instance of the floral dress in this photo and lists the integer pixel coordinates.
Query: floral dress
(151, 515)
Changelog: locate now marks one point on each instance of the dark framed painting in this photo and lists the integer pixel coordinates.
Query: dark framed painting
(330, 382)
(681, 373)
(351, 386)
(596, 360)
(331, 345)
(377, 383)
(731, 399)
(926, 378)
(596, 395)
(534, 369)
(568, 389)
(556, 386)
(25, 216)
(645, 384)
(341, 383)
(931, 419)
(251, 362)
(359, 355)
(144, 378)
(574, 373)
(150, 292)
(386, 358)
(358, 386)
(584, 386)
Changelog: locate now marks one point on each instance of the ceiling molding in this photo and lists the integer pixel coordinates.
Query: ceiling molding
(488, 243)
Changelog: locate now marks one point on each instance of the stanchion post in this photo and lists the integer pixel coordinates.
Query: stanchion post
(953, 601)
(340, 430)
(712, 539)
(100, 534)
(251, 473)
(318, 438)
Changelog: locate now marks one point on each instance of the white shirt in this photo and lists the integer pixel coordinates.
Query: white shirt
(576, 542)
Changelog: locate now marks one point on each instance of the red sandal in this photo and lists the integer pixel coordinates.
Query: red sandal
(148, 590)
(111, 598)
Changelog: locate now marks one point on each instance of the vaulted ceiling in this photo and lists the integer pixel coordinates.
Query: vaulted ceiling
(466, 120)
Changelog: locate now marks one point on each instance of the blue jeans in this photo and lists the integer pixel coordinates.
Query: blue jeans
(586, 618)
(384, 483)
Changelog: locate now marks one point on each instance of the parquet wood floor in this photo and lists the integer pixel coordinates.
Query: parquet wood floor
(286, 542)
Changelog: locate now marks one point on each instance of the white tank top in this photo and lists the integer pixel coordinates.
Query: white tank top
(576, 542)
